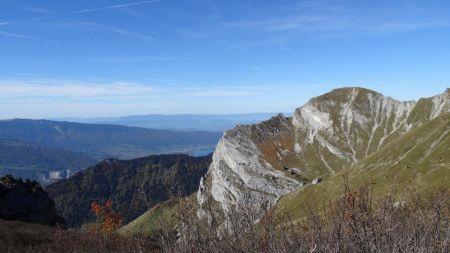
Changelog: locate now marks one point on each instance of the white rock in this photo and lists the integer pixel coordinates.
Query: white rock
(297, 148)
(316, 181)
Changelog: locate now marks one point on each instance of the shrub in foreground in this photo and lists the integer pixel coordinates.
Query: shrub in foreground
(355, 222)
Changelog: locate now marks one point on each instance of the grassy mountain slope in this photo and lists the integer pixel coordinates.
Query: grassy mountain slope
(418, 161)
(133, 185)
(102, 141)
(162, 215)
(38, 162)
(342, 127)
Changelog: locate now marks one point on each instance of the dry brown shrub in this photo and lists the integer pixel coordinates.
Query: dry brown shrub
(355, 222)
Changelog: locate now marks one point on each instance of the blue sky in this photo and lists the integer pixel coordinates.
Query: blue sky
(116, 57)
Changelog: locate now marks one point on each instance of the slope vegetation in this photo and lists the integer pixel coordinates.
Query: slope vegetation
(26, 201)
(417, 162)
(134, 186)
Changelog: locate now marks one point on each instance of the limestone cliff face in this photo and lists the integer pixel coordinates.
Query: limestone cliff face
(258, 164)
(239, 174)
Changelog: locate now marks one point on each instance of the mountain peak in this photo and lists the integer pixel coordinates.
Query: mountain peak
(328, 134)
(353, 89)
(344, 94)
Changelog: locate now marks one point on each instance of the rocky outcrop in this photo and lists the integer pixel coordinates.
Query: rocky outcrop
(258, 164)
(239, 174)
(26, 201)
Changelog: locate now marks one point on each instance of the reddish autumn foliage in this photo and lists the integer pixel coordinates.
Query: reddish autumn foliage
(109, 220)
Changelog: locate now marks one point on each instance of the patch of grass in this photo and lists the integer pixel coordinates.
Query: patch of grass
(417, 162)
(152, 221)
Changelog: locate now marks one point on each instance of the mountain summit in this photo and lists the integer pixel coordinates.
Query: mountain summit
(255, 164)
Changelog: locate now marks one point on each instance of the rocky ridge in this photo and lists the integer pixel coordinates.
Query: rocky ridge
(256, 164)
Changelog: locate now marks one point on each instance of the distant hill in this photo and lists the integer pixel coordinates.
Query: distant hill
(100, 141)
(181, 122)
(39, 162)
(134, 186)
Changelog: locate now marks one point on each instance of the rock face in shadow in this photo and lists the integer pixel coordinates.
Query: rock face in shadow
(26, 201)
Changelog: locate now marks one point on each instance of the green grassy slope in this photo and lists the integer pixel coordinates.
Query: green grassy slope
(161, 216)
(418, 161)
(149, 223)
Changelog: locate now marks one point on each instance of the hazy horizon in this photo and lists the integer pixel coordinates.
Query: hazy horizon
(124, 57)
(152, 114)
(113, 116)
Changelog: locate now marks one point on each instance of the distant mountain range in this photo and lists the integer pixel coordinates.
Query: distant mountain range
(39, 162)
(100, 141)
(47, 151)
(180, 122)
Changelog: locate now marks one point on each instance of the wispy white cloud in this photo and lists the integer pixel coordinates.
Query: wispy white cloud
(14, 35)
(276, 23)
(118, 6)
(63, 89)
(129, 33)
(218, 92)
(22, 36)
(35, 98)
(133, 13)
(279, 42)
(38, 10)
(120, 60)
(331, 23)
(342, 17)
(49, 14)
(95, 26)
(89, 26)
(60, 89)
(259, 68)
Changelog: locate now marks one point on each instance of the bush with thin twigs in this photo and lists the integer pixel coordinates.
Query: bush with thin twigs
(76, 241)
(355, 222)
